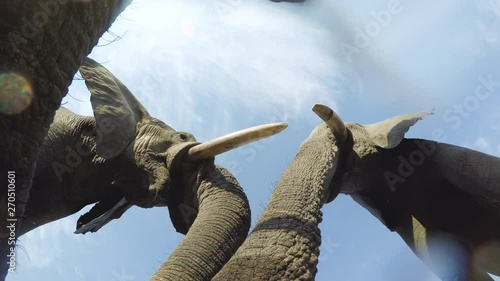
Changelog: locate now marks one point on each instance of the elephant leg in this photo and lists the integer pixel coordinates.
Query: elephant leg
(446, 256)
(476, 275)
(487, 257)
(42, 73)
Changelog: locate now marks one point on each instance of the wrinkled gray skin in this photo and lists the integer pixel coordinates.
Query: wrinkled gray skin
(452, 194)
(284, 244)
(125, 153)
(45, 45)
(103, 159)
(443, 200)
(45, 42)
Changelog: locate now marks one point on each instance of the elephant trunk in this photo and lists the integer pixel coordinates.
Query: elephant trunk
(42, 44)
(284, 244)
(219, 229)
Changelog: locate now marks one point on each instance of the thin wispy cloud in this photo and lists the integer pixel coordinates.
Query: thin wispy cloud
(254, 59)
(489, 25)
(43, 245)
(482, 144)
(211, 71)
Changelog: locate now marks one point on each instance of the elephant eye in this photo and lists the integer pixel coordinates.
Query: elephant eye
(183, 137)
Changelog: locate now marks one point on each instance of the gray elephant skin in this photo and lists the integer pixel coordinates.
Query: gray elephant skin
(452, 193)
(284, 244)
(44, 42)
(124, 157)
(443, 200)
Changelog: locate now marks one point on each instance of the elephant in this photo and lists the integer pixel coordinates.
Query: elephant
(42, 44)
(443, 200)
(122, 157)
(284, 243)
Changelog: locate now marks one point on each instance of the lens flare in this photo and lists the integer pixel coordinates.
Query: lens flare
(16, 93)
(447, 255)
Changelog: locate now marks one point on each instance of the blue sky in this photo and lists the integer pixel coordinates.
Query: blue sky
(219, 66)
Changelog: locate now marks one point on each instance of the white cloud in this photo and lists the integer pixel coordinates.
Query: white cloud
(78, 273)
(482, 144)
(489, 6)
(257, 59)
(487, 146)
(490, 31)
(42, 245)
(489, 25)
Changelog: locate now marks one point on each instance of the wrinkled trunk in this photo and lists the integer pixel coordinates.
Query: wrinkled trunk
(41, 46)
(284, 245)
(219, 229)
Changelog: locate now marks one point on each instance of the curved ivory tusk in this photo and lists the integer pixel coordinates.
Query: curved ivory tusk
(234, 140)
(332, 120)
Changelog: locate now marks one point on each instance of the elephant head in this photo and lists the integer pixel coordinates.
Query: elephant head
(439, 198)
(124, 157)
(428, 192)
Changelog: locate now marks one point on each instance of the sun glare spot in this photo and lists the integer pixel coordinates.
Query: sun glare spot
(16, 93)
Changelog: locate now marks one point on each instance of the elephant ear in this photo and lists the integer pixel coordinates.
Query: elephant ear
(117, 112)
(389, 133)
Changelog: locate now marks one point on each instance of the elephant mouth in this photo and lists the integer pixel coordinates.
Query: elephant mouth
(101, 213)
(182, 200)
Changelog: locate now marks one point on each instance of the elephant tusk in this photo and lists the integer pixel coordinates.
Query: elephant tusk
(332, 120)
(234, 140)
